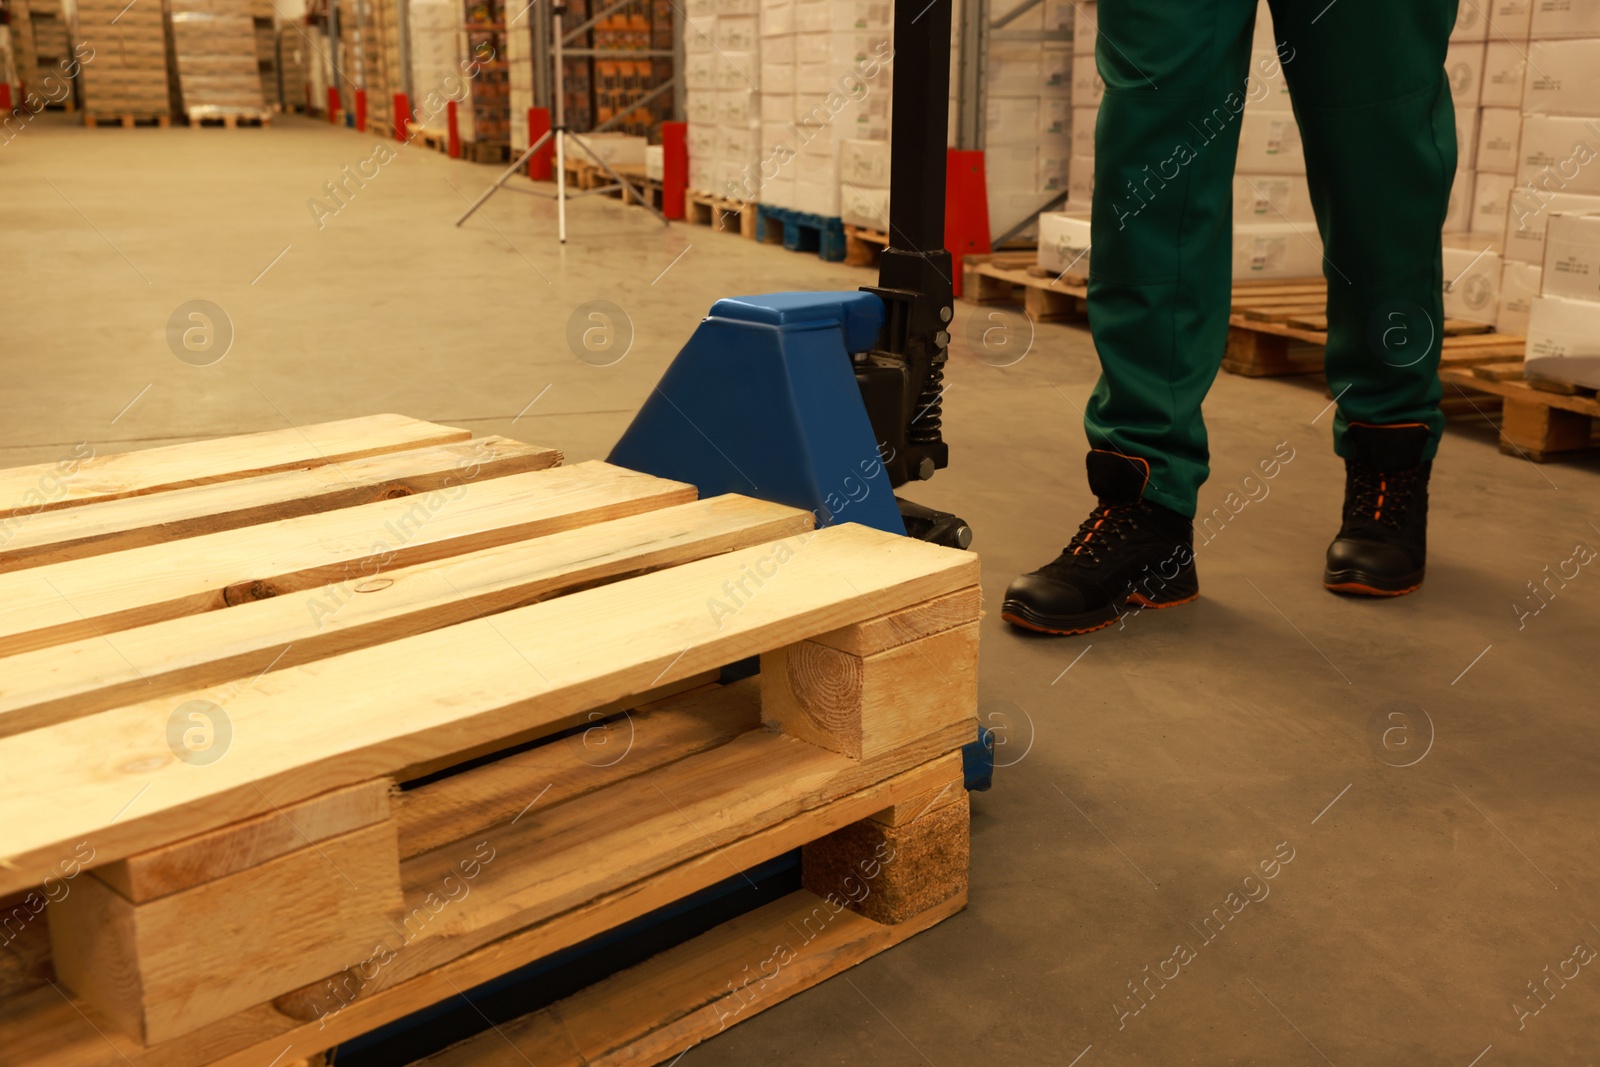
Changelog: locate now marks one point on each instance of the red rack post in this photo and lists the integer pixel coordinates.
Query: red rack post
(454, 128)
(333, 105)
(674, 167)
(402, 115)
(966, 209)
(361, 110)
(539, 164)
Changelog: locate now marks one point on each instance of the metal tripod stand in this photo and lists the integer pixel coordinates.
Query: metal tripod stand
(561, 135)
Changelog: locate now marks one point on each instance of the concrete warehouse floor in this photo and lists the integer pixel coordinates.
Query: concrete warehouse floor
(1151, 768)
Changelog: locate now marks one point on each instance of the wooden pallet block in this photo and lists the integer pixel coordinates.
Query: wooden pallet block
(126, 120)
(181, 938)
(1000, 278)
(1535, 424)
(863, 247)
(721, 213)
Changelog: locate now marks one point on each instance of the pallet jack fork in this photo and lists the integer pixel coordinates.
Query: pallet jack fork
(830, 400)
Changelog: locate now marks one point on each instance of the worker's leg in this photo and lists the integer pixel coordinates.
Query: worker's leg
(1159, 286)
(1370, 94)
(1159, 277)
(1369, 90)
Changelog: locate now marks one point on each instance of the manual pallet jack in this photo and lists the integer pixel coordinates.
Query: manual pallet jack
(830, 400)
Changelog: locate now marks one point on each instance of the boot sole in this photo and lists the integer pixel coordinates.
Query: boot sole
(1355, 583)
(1019, 614)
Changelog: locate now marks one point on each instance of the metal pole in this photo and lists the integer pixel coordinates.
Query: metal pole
(506, 176)
(972, 94)
(559, 128)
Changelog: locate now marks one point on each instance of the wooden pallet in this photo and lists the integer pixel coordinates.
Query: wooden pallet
(801, 231)
(229, 119)
(1004, 277)
(1540, 419)
(863, 247)
(126, 119)
(721, 213)
(1281, 327)
(584, 175)
(469, 713)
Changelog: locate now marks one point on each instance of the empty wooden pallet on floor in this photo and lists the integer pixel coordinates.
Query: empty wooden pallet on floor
(385, 713)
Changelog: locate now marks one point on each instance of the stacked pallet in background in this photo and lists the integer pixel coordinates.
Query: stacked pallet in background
(371, 51)
(268, 634)
(127, 79)
(434, 29)
(216, 71)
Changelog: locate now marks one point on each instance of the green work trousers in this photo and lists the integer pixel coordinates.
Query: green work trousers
(1373, 105)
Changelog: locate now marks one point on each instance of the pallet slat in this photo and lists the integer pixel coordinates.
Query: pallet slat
(155, 518)
(80, 678)
(28, 490)
(102, 595)
(654, 1012)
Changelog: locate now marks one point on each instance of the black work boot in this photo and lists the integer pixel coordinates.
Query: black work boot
(1128, 551)
(1383, 542)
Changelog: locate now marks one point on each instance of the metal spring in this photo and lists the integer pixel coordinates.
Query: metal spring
(926, 422)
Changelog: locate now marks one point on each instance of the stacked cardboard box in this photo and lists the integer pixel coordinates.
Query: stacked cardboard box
(1033, 85)
(827, 80)
(436, 58)
(1539, 135)
(722, 78)
(128, 74)
(292, 72)
(214, 58)
(1564, 321)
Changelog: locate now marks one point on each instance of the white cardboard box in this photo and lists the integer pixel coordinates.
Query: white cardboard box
(1085, 17)
(1272, 198)
(1466, 137)
(1558, 327)
(817, 198)
(1519, 286)
(1265, 87)
(1458, 216)
(1275, 251)
(864, 163)
(1087, 88)
(1083, 120)
(1560, 154)
(1055, 117)
(1055, 168)
(1572, 257)
(1012, 120)
(1505, 68)
(1564, 18)
(860, 206)
(1562, 78)
(1064, 242)
(1080, 179)
(1508, 19)
(1499, 136)
(1528, 214)
(1472, 22)
(1269, 143)
(1490, 195)
(1472, 284)
(1463, 63)
(1012, 168)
